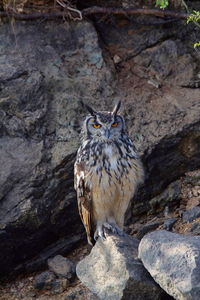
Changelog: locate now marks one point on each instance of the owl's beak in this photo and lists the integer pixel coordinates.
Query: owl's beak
(107, 133)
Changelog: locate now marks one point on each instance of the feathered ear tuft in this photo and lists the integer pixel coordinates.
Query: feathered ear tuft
(116, 108)
(89, 108)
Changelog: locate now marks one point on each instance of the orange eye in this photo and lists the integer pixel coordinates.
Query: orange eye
(96, 126)
(115, 124)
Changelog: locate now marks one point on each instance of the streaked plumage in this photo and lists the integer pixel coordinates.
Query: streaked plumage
(107, 172)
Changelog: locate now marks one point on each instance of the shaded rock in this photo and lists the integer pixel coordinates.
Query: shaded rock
(41, 86)
(191, 214)
(62, 267)
(196, 228)
(173, 260)
(168, 197)
(169, 223)
(154, 61)
(44, 280)
(40, 120)
(112, 271)
(147, 228)
(48, 281)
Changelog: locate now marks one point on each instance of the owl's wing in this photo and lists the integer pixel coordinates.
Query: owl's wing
(84, 199)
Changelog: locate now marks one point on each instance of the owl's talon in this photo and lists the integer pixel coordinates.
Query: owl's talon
(110, 227)
(119, 231)
(114, 228)
(99, 233)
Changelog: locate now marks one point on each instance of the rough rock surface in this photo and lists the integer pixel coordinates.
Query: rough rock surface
(46, 68)
(48, 281)
(173, 260)
(191, 214)
(112, 271)
(62, 266)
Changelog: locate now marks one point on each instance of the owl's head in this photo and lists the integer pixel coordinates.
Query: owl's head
(104, 125)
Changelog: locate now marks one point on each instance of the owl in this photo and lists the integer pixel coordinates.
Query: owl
(107, 172)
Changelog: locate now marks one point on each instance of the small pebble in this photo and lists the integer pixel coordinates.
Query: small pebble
(169, 223)
(62, 267)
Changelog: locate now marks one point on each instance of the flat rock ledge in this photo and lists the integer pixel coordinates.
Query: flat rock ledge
(173, 260)
(112, 271)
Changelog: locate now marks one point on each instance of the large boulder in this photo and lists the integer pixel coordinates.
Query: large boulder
(112, 271)
(173, 260)
(45, 69)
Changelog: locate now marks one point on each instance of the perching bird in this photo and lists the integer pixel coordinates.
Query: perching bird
(107, 173)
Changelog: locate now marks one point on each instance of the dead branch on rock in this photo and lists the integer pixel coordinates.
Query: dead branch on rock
(92, 11)
(68, 9)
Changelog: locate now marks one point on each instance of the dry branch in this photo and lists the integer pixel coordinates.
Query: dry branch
(94, 10)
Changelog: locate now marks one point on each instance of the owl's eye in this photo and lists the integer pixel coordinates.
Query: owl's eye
(96, 125)
(115, 124)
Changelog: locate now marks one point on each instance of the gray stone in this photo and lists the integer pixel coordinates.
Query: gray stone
(196, 228)
(41, 86)
(191, 214)
(173, 260)
(147, 228)
(112, 271)
(44, 280)
(168, 197)
(169, 223)
(48, 281)
(62, 267)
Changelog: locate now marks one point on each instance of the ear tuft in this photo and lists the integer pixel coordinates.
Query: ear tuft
(89, 108)
(116, 108)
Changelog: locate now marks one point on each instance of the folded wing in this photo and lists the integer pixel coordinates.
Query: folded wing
(84, 199)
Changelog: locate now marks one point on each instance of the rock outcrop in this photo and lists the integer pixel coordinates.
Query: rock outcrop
(112, 271)
(173, 260)
(46, 68)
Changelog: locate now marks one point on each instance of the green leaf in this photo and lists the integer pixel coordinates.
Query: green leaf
(162, 3)
(197, 44)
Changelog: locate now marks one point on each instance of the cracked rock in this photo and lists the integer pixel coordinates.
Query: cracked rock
(112, 271)
(173, 260)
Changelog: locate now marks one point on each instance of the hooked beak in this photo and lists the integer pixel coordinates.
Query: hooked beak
(107, 133)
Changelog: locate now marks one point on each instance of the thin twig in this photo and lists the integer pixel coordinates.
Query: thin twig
(71, 9)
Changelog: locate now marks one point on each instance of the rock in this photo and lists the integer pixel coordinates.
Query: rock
(191, 214)
(169, 223)
(112, 271)
(173, 260)
(62, 267)
(40, 115)
(196, 228)
(147, 228)
(44, 280)
(40, 120)
(169, 197)
(116, 59)
(48, 281)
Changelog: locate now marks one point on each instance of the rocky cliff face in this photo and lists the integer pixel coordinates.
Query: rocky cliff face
(46, 69)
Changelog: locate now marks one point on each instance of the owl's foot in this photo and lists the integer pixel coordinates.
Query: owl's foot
(115, 228)
(101, 230)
